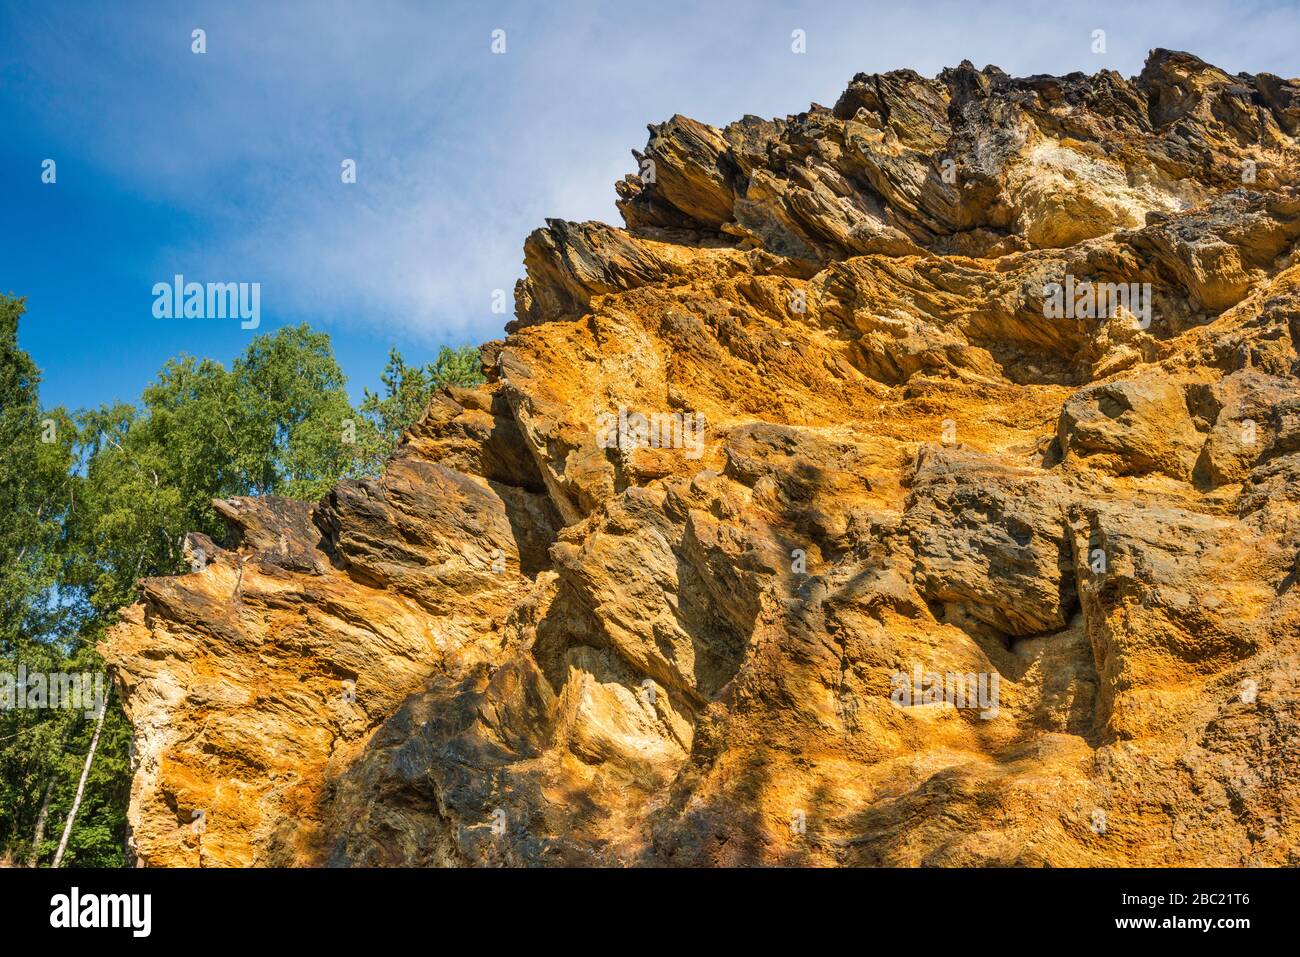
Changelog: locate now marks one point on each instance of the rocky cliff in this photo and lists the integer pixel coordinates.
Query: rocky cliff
(912, 481)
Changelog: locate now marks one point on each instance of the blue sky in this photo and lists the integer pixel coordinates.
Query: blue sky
(225, 166)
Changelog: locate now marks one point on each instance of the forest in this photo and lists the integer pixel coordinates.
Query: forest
(94, 500)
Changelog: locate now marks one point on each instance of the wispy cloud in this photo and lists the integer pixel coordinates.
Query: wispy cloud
(461, 152)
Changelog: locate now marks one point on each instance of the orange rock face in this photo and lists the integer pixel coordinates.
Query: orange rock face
(911, 482)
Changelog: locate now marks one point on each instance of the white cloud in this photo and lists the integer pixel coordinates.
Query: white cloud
(460, 153)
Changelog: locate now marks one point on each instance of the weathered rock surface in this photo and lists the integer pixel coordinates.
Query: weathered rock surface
(890, 456)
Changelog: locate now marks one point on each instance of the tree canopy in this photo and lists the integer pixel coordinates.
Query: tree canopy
(95, 500)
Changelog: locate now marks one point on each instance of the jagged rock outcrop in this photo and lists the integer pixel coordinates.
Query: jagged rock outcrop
(970, 376)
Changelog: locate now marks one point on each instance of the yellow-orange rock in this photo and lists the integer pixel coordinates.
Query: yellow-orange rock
(523, 645)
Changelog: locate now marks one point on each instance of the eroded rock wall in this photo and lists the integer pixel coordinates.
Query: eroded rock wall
(520, 647)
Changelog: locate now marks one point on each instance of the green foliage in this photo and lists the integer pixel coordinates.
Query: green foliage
(95, 501)
(33, 484)
(408, 390)
(37, 486)
(289, 414)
